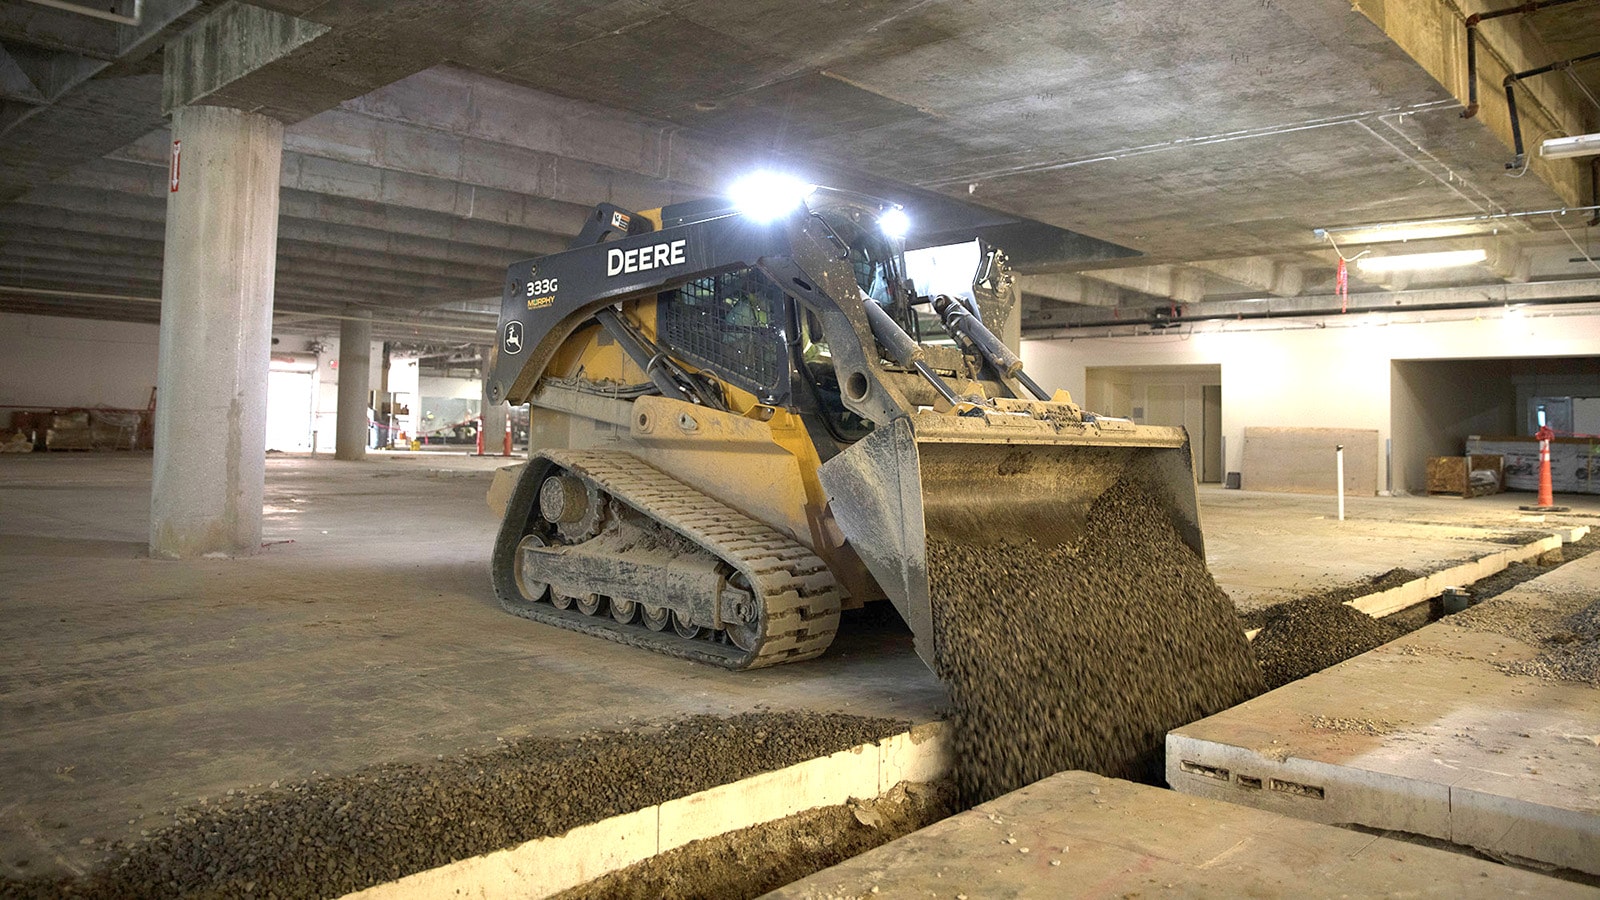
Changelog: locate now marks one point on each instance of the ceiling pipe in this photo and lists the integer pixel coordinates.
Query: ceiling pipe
(1472, 44)
(1424, 300)
(105, 15)
(1511, 99)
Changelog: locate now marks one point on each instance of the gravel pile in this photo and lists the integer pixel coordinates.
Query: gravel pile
(1372, 584)
(1567, 635)
(1083, 656)
(339, 834)
(1313, 633)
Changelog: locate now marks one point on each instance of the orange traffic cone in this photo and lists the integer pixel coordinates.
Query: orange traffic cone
(1547, 497)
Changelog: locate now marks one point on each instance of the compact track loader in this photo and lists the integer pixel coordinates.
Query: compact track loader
(740, 427)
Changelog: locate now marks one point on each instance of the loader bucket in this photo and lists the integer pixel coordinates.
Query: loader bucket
(941, 478)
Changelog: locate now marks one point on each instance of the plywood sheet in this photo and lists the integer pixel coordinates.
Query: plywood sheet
(1301, 460)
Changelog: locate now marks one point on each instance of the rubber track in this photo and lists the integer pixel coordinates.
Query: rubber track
(798, 591)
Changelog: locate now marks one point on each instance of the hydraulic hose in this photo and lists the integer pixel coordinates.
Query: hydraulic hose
(972, 334)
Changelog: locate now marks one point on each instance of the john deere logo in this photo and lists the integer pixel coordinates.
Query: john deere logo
(513, 338)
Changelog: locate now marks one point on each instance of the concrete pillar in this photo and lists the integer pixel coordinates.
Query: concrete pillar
(355, 367)
(494, 427)
(216, 334)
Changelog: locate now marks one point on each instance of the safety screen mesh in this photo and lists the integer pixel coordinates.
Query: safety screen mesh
(732, 323)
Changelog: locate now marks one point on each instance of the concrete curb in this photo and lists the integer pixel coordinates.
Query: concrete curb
(1411, 593)
(546, 866)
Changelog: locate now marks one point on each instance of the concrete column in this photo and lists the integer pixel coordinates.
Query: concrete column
(355, 367)
(494, 427)
(216, 334)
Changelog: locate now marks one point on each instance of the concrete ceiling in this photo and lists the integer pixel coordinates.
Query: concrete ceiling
(432, 142)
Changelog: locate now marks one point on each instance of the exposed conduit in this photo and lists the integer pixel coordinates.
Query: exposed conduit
(1472, 44)
(1511, 98)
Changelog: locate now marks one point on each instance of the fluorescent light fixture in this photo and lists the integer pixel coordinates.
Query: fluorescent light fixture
(895, 223)
(1577, 145)
(768, 196)
(1411, 262)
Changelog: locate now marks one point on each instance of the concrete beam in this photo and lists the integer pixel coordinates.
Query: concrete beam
(1172, 282)
(230, 44)
(86, 117)
(435, 224)
(1257, 273)
(394, 189)
(319, 240)
(1068, 288)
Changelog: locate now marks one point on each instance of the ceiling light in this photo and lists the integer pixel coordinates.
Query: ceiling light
(1411, 262)
(1577, 145)
(768, 196)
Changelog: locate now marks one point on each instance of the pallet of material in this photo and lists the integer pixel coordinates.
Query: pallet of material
(1466, 476)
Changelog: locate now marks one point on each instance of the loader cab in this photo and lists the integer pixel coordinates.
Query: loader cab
(745, 329)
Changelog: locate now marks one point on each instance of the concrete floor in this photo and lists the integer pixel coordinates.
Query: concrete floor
(1080, 835)
(1426, 735)
(1265, 548)
(366, 632)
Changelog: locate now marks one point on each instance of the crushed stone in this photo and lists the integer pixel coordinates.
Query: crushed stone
(1308, 635)
(328, 837)
(1372, 584)
(1566, 633)
(1353, 725)
(1081, 656)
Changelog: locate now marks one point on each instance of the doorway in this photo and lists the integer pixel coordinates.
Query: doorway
(291, 403)
(1189, 397)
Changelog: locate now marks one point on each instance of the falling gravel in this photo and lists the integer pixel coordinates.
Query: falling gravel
(1308, 635)
(328, 837)
(1082, 656)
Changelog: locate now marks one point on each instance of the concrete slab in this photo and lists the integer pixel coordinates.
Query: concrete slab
(1081, 835)
(365, 632)
(1267, 548)
(1425, 735)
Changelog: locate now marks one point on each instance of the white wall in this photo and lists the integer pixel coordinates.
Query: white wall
(443, 388)
(1315, 373)
(50, 361)
(324, 415)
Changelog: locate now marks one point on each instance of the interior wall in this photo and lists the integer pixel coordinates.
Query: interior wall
(1312, 373)
(1166, 395)
(58, 362)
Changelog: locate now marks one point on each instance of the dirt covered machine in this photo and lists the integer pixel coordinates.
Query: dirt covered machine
(746, 419)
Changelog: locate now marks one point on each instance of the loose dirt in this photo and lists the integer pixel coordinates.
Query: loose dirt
(1082, 656)
(753, 861)
(329, 837)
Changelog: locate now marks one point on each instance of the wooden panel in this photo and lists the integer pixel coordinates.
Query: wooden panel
(1301, 460)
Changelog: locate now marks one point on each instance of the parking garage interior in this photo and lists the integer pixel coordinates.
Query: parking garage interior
(1122, 449)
